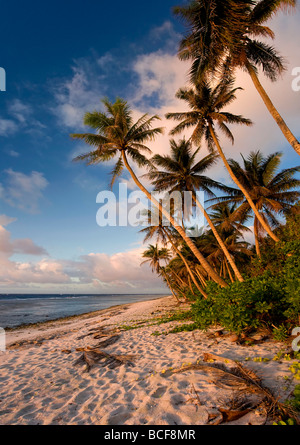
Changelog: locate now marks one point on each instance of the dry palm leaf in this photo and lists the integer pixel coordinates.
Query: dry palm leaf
(92, 356)
(234, 366)
(93, 331)
(242, 381)
(109, 341)
(99, 332)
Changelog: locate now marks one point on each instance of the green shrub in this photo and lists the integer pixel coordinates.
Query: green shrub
(260, 300)
(270, 294)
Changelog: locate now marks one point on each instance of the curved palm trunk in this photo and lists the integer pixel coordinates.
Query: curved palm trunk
(241, 187)
(186, 266)
(178, 278)
(220, 241)
(180, 284)
(201, 278)
(229, 273)
(273, 111)
(257, 247)
(169, 285)
(190, 285)
(178, 228)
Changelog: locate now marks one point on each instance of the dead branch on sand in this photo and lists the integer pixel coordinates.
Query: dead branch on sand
(247, 392)
(92, 356)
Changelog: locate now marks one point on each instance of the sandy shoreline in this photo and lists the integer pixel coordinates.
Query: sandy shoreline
(40, 382)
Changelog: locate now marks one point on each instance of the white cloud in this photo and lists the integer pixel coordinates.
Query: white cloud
(7, 127)
(13, 153)
(26, 274)
(6, 220)
(160, 75)
(23, 119)
(75, 96)
(123, 267)
(23, 246)
(19, 110)
(13, 273)
(100, 271)
(23, 191)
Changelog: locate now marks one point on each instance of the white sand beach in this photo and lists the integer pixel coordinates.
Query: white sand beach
(40, 382)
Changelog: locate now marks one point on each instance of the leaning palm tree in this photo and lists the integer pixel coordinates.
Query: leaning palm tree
(237, 247)
(118, 135)
(181, 173)
(225, 33)
(155, 256)
(272, 192)
(177, 273)
(163, 234)
(206, 104)
(224, 217)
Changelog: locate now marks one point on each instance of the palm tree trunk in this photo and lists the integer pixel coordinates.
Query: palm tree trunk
(177, 227)
(241, 187)
(186, 265)
(190, 285)
(273, 111)
(222, 269)
(229, 273)
(201, 278)
(183, 284)
(180, 284)
(169, 285)
(257, 247)
(220, 241)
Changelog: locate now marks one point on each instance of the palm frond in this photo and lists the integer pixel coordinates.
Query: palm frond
(117, 171)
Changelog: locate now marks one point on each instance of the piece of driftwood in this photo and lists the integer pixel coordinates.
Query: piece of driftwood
(230, 409)
(247, 391)
(234, 366)
(90, 357)
(257, 416)
(239, 404)
(219, 377)
(109, 341)
(97, 332)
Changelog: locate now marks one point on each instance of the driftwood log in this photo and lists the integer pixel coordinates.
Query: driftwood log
(90, 357)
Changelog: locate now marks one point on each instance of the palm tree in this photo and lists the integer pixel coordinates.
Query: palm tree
(118, 135)
(154, 256)
(224, 33)
(182, 173)
(271, 191)
(206, 104)
(164, 235)
(237, 247)
(223, 215)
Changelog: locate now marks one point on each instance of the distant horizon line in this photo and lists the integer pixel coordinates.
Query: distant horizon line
(82, 293)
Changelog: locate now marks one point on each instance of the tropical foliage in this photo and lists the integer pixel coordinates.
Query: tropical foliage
(233, 279)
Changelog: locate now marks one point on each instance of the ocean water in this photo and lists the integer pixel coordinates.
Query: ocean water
(19, 309)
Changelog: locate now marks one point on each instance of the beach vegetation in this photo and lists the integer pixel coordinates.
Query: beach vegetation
(228, 279)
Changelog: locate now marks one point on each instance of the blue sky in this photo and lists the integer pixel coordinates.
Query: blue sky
(60, 59)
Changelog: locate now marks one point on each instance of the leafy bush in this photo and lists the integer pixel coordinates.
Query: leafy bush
(270, 294)
(240, 306)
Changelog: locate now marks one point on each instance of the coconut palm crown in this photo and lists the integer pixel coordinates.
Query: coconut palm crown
(206, 103)
(117, 132)
(225, 34)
